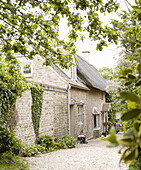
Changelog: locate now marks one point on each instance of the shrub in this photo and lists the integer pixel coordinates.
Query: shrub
(67, 141)
(32, 150)
(8, 141)
(46, 141)
(136, 165)
(9, 161)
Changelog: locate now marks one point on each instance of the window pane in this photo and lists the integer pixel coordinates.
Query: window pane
(96, 121)
(80, 113)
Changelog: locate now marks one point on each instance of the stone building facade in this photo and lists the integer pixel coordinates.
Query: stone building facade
(70, 105)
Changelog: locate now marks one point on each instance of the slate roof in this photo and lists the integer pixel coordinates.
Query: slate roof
(89, 75)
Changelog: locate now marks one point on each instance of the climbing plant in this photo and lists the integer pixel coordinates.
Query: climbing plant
(37, 100)
(12, 84)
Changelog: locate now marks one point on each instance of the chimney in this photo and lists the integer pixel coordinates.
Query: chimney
(86, 55)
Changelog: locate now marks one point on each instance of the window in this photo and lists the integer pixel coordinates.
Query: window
(26, 66)
(73, 72)
(80, 113)
(96, 121)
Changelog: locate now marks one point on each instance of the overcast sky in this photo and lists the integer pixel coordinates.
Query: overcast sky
(105, 58)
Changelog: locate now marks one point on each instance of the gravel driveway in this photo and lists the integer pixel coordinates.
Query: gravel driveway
(92, 156)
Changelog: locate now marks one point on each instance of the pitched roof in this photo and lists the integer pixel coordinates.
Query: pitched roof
(77, 83)
(89, 75)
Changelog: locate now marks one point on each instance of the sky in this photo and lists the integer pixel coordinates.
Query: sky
(108, 57)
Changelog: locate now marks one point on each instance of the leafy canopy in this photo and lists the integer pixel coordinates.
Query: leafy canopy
(130, 39)
(34, 23)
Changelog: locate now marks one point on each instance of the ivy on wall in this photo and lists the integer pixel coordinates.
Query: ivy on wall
(36, 108)
(12, 84)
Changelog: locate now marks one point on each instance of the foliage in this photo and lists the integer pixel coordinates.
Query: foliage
(34, 23)
(12, 84)
(67, 141)
(113, 88)
(12, 162)
(106, 73)
(32, 150)
(36, 108)
(131, 140)
(136, 165)
(47, 144)
(46, 141)
(8, 141)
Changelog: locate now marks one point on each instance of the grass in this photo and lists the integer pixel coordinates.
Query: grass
(9, 161)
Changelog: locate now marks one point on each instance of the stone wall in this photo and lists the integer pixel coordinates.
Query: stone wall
(21, 120)
(78, 98)
(53, 119)
(45, 74)
(89, 99)
(95, 98)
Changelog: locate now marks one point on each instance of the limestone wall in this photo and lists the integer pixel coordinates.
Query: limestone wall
(45, 74)
(78, 98)
(53, 119)
(21, 120)
(89, 99)
(95, 98)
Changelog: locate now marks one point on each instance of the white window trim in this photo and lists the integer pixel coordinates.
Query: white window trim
(80, 108)
(20, 58)
(73, 72)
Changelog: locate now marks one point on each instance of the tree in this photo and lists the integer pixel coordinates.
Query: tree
(34, 22)
(106, 73)
(130, 39)
(114, 86)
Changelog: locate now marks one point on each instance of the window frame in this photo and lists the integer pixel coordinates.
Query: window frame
(21, 60)
(73, 72)
(80, 115)
(96, 121)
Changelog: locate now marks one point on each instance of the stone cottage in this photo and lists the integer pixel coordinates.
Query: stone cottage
(73, 101)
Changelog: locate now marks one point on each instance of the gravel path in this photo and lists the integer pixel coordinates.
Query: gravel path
(92, 156)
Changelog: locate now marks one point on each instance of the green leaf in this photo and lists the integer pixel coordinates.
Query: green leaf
(138, 83)
(126, 140)
(131, 114)
(130, 96)
(131, 76)
(111, 138)
(128, 83)
(130, 156)
(137, 125)
(139, 68)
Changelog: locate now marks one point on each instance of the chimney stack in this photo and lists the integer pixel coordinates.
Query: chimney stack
(86, 55)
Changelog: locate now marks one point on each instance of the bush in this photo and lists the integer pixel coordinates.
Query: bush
(9, 161)
(46, 141)
(136, 165)
(67, 141)
(8, 141)
(32, 150)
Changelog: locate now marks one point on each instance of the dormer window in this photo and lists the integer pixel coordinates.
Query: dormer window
(73, 72)
(26, 66)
